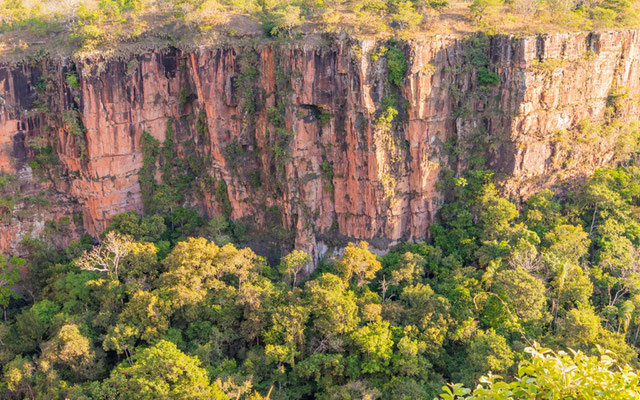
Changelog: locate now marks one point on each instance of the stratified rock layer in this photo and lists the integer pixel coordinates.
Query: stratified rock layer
(327, 164)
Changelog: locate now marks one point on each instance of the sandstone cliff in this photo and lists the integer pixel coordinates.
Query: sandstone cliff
(296, 135)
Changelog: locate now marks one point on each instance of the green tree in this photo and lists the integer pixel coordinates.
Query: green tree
(9, 277)
(196, 266)
(405, 16)
(428, 312)
(488, 352)
(283, 20)
(397, 68)
(482, 8)
(293, 263)
(149, 228)
(333, 307)
(288, 325)
(524, 292)
(161, 371)
(374, 342)
(70, 349)
(358, 261)
(145, 317)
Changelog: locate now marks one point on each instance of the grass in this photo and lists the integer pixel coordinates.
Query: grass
(46, 27)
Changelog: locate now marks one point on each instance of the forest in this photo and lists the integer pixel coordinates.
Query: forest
(537, 300)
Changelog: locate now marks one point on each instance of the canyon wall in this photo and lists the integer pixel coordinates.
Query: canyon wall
(301, 136)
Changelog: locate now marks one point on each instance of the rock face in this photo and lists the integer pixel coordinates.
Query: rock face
(304, 132)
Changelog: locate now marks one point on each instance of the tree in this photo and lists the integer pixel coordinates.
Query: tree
(333, 308)
(70, 349)
(293, 263)
(570, 286)
(396, 69)
(582, 330)
(141, 264)
(148, 228)
(358, 261)
(356, 389)
(488, 352)
(283, 20)
(400, 388)
(145, 317)
(428, 312)
(542, 213)
(524, 292)
(106, 257)
(410, 269)
(288, 325)
(8, 278)
(567, 241)
(374, 342)
(405, 16)
(161, 371)
(495, 215)
(482, 8)
(196, 266)
(18, 376)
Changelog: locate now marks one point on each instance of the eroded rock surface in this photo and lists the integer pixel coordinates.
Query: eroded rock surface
(296, 129)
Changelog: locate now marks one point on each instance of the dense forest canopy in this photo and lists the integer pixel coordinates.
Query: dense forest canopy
(63, 26)
(519, 295)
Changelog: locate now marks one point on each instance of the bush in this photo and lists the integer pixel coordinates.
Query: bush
(73, 81)
(396, 65)
(275, 117)
(282, 21)
(486, 77)
(406, 17)
(482, 8)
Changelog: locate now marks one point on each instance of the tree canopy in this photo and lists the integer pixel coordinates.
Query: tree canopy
(149, 312)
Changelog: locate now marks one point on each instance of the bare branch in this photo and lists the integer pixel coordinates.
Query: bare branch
(107, 255)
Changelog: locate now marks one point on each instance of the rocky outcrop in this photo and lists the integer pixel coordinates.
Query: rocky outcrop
(302, 131)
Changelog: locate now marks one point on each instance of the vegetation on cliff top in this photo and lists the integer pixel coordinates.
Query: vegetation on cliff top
(28, 27)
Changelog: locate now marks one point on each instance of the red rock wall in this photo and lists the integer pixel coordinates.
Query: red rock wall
(381, 193)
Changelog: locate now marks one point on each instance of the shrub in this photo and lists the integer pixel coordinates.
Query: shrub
(233, 151)
(73, 81)
(282, 21)
(185, 97)
(396, 65)
(275, 117)
(486, 77)
(324, 117)
(406, 17)
(481, 8)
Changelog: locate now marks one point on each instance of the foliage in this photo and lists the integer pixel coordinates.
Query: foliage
(551, 375)
(166, 306)
(293, 263)
(8, 278)
(73, 82)
(161, 371)
(283, 20)
(396, 64)
(50, 26)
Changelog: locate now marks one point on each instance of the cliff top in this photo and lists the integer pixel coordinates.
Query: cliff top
(31, 28)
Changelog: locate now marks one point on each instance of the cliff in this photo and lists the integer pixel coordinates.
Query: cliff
(300, 136)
